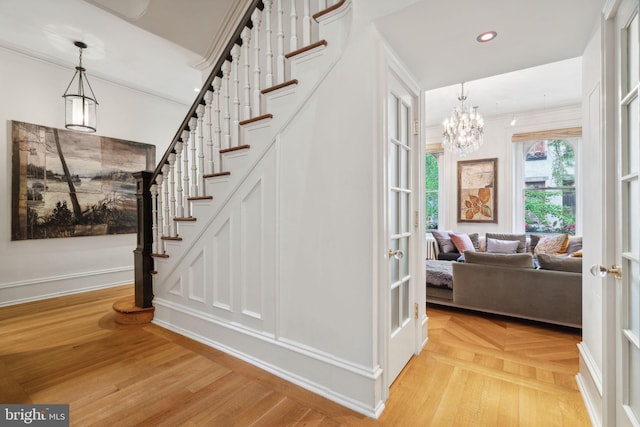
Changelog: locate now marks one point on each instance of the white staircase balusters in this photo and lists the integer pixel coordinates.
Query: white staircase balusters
(158, 248)
(198, 170)
(293, 40)
(246, 66)
(256, 19)
(172, 192)
(154, 218)
(235, 110)
(217, 119)
(186, 189)
(306, 22)
(226, 105)
(280, 43)
(208, 126)
(268, 4)
(178, 180)
(166, 218)
(191, 175)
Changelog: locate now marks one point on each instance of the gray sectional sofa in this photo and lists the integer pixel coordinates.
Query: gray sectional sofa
(511, 285)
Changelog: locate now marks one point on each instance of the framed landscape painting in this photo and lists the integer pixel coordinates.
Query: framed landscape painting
(478, 190)
(69, 184)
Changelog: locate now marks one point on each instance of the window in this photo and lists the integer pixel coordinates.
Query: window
(549, 191)
(432, 187)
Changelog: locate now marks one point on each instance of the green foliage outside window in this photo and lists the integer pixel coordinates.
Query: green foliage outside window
(553, 210)
(431, 195)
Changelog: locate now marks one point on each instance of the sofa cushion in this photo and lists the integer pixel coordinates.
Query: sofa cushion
(495, 246)
(560, 263)
(552, 244)
(522, 238)
(445, 244)
(462, 242)
(506, 260)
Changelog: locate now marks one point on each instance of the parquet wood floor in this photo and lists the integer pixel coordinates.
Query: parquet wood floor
(473, 372)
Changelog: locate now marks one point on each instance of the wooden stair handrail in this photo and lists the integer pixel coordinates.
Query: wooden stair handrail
(226, 53)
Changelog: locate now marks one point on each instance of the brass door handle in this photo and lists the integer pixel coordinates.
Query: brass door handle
(600, 270)
(397, 254)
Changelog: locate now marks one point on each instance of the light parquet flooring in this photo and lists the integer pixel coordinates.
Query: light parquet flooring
(474, 371)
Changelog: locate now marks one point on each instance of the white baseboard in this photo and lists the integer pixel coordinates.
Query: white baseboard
(54, 286)
(590, 385)
(343, 382)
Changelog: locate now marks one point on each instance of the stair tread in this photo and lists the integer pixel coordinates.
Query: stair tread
(175, 238)
(306, 48)
(160, 255)
(279, 86)
(185, 218)
(256, 119)
(200, 198)
(215, 175)
(328, 10)
(232, 149)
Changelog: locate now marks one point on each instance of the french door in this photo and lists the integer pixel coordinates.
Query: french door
(399, 190)
(628, 204)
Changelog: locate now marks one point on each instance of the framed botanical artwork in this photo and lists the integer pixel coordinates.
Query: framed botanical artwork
(478, 190)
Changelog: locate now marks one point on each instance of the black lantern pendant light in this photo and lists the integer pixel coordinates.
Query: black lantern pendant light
(80, 106)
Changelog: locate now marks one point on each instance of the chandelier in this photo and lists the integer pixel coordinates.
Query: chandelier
(80, 108)
(463, 130)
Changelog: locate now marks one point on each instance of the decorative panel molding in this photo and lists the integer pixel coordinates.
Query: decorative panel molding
(252, 286)
(197, 278)
(176, 288)
(222, 249)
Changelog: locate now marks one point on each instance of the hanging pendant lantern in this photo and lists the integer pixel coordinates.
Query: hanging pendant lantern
(80, 105)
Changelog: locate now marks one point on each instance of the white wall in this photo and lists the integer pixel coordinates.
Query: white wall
(31, 91)
(497, 143)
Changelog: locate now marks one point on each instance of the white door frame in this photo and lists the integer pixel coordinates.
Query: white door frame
(390, 65)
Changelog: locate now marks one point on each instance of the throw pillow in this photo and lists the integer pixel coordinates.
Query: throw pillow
(560, 263)
(462, 242)
(552, 245)
(577, 254)
(495, 246)
(504, 260)
(444, 241)
(575, 244)
(521, 238)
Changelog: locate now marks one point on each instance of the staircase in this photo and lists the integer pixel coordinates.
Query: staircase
(208, 215)
(253, 92)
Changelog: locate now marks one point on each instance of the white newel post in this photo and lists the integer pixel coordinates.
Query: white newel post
(198, 171)
(268, 4)
(280, 44)
(246, 79)
(217, 129)
(209, 169)
(178, 169)
(293, 41)
(256, 18)
(235, 111)
(167, 210)
(172, 194)
(154, 218)
(226, 105)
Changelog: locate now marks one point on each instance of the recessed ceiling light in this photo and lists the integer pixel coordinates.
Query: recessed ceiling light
(487, 36)
(196, 89)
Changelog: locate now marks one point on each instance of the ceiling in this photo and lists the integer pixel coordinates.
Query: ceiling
(156, 45)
